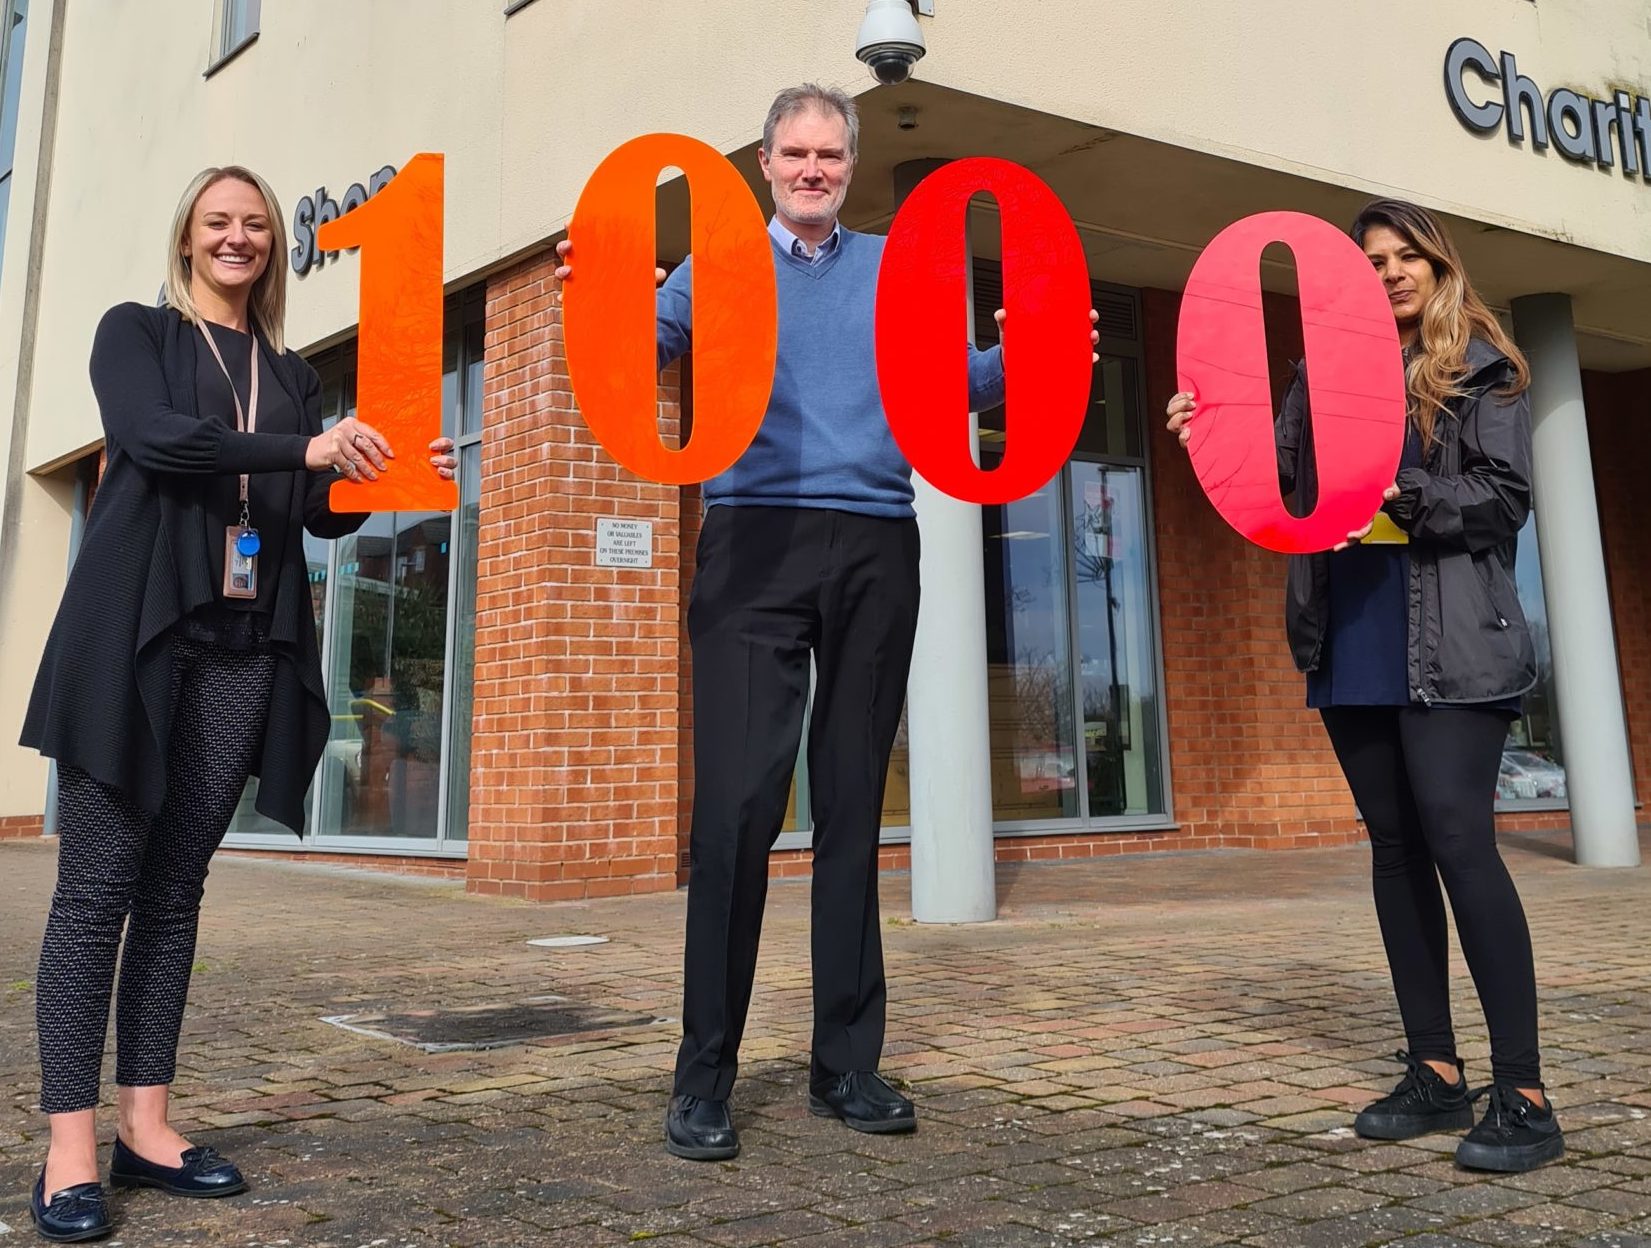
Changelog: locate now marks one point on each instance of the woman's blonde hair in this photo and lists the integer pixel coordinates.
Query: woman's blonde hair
(268, 304)
(1452, 316)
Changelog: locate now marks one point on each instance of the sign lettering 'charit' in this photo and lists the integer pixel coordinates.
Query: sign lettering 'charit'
(314, 211)
(1583, 129)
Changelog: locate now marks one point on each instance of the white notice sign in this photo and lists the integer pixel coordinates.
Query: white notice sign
(624, 543)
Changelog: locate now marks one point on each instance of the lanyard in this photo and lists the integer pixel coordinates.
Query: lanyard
(246, 421)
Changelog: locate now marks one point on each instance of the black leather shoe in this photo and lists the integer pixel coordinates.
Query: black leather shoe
(72, 1216)
(203, 1173)
(1515, 1135)
(863, 1101)
(700, 1129)
(1422, 1104)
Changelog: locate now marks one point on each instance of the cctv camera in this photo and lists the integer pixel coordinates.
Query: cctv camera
(890, 40)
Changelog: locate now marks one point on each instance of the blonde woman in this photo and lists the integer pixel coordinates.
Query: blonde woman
(1416, 655)
(183, 659)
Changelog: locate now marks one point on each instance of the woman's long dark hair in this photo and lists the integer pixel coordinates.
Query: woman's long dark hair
(1453, 316)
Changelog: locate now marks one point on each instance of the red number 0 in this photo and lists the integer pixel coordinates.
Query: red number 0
(921, 294)
(398, 386)
(1355, 379)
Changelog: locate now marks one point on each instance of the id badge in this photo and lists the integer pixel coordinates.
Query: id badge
(240, 571)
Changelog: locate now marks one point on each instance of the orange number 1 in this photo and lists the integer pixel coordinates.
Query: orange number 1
(398, 386)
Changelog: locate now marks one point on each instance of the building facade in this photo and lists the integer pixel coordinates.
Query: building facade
(1106, 653)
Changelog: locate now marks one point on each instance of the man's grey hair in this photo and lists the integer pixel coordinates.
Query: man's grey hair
(794, 100)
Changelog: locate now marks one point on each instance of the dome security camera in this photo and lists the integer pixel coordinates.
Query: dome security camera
(890, 41)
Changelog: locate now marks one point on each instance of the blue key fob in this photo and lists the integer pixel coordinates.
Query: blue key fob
(247, 543)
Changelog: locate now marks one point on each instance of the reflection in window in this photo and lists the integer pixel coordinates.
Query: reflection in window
(897, 789)
(1533, 768)
(1117, 665)
(1034, 760)
(382, 770)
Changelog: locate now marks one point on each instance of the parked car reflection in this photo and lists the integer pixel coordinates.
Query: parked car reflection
(1526, 775)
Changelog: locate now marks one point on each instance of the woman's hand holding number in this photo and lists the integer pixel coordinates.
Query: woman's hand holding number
(1180, 412)
(352, 448)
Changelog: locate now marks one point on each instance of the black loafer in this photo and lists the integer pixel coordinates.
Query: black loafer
(72, 1216)
(863, 1101)
(203, 1173)
(700, 1129)
(1422, 1104)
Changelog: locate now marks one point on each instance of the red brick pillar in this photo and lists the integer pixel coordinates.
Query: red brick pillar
(573, 783)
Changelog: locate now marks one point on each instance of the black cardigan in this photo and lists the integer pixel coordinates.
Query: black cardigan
(102, 698)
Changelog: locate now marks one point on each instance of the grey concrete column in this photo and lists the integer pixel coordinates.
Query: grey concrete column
(1587, 685)
(953, 877)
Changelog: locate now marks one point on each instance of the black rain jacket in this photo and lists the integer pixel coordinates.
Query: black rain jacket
(1463, 510)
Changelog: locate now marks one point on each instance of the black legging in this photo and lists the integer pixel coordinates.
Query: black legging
(1425, 783)
(115, 860)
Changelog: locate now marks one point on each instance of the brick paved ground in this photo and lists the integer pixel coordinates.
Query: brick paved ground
(1149, 1051)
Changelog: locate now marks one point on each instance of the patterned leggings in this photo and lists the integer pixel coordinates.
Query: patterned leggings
(116, 862)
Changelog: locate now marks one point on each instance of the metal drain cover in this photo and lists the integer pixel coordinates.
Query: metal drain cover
(490, 1026)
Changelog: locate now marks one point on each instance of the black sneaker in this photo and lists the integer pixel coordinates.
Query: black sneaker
(1515, 1134)
(1422, 1104)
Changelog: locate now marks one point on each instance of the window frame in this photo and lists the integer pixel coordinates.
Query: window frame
(223, 52)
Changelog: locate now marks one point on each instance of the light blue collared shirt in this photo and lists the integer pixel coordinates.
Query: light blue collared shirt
(794, 246)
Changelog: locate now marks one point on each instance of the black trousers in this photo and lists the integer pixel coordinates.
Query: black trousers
(1425, 782)
(119, 866)
(774, 585)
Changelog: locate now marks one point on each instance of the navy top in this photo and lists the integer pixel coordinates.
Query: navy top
(1366, 655)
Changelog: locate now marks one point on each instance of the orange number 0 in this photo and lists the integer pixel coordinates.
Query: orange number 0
(608, 319)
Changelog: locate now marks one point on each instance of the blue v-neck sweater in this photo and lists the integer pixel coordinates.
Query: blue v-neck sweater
(824, 441)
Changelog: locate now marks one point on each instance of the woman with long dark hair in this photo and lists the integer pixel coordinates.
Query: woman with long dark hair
(1416, 654)
(183, 660)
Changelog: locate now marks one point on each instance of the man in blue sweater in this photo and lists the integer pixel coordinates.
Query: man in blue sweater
(809, 549)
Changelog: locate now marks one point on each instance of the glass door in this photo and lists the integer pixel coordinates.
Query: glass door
(1116, 662)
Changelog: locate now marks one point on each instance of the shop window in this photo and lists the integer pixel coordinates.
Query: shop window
(394, 606)
(1533, 764)
(1071, 608)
